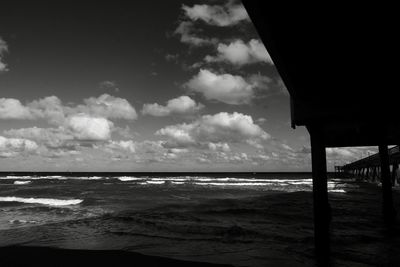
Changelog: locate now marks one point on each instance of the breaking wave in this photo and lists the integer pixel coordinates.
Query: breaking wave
(52, 177)
(129, 178)
(43, 201)
(22, 182)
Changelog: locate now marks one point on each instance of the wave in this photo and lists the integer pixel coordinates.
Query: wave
(16, 177)
(155, 182)
(22, 182)
(43, 201)
(235, 184)
(53, 177)
(128, 178)
(336, 191)
(17, 221)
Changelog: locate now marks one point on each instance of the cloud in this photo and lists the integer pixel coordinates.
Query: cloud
(3, 50)
(186, 30)
(52, 109)
(85, 127)
(181, 134)
(219, 147)
(261, 120)
(238, 53)
(178, 150)
(179, 105)
(227, 15)
(339, 155)
(124, 132)
(172, 58)
(108, 106)
(49, 108)
(11, 147)
(213, 131)
(226, 88)
(11, 108)
(340, 152)
(109, 85)
(128, 145)
(50, 137)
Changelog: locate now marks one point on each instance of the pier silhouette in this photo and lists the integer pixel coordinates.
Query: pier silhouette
(335, 61)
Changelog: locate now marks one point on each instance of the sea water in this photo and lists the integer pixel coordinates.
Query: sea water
(219, 218)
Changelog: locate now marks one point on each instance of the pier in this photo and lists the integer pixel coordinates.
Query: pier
(335, 61)
(369, 168)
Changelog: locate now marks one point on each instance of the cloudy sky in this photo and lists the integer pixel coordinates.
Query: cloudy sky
(181, 86)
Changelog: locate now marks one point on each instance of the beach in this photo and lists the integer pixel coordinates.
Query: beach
(250, 220)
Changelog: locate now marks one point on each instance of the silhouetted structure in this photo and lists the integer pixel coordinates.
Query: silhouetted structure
(369, 167)
(335, 62)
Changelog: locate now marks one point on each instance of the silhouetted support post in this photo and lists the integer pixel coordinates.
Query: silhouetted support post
(394, 173)
(322, 213)
(389, 212)
(374, 173)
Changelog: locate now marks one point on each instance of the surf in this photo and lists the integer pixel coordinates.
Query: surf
(43, 201)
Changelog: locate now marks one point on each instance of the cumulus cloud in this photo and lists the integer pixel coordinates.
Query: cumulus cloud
(11, 108)
(178, 150)
(219, 147)
(226, 88)
(128, 145)
(55, 112)
(226, 15)
(49, 108)
(109, 107)
(179, 105)
(11, 147)
(188, 36)
(3, 50)
(51, 137)
(239, 53)
(85, 127)
(181, 134)
(214, 131)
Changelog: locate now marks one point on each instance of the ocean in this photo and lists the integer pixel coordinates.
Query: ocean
(243, 219)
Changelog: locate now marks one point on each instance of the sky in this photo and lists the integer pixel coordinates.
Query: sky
(139, 86)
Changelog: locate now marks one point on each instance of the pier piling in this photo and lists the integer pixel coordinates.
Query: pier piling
(322, 212)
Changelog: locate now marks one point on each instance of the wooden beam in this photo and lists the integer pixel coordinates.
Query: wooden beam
(322, 211)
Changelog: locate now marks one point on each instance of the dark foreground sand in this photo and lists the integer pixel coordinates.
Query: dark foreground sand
(46, 257)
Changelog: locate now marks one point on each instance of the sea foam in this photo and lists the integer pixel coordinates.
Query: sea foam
(22, 182)
(43, 201)
(128, 178)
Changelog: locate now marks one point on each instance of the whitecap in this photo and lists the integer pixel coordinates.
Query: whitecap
(17, 221)
(128, 178)
(22, 182)
(235, 184)
(16, 177)
(336, 191)
(43, 201)
(155, 182)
